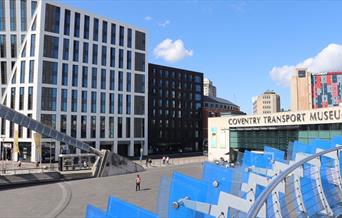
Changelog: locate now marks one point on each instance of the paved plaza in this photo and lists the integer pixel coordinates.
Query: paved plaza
(69, 199)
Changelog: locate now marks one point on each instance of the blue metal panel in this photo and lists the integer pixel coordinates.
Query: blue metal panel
(94, 212)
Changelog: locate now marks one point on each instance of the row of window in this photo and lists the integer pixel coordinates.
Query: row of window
(220, 106)
(14, 47)
(176, 113)
(177, 94)
(87, 126)
(180, 75)
(169, 103)
(166, 84)
(104, 101)
(52, 24)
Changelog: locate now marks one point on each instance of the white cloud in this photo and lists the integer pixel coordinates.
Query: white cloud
(165, 23)
(148, 18)
(329, 59)
(171, 51)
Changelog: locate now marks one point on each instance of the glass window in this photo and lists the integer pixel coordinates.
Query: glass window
(65, 49)
(129, 38)
(2, 45)
(13, 15)
(84, 77)
(33, 7)
(33, 45)
(128, 104)
(112, 80)
(85, 52)
(86, 27)
(140, 40)
(30, 98)
(84, 101)
(94, 78)
(76, 50)
(49, 99)
(111, 127)
(64, 74)
(139, 83)
(52, 16)
(13, 46)
(120, 81)
(67, 22)
(103, 79)
(21, 98)
(129, 60)
(93, 102)
(73, 126)
(49, 73)
(103, 102)
(77, 24)
(93, 127)
(119, 127)
(139, 62)
(104, 56)
(120, 58)
(113, 34)
(74, 75)
(112, 57)
(122, 36)
(31, 71)
(83, 126)
(96, 29)
(128, 127)
(120, 104)
(111, 103)
(49, 120)
(95, 50)
(104, 31)
(129, 82)
(139, 127)
(2, 16)
(63, 123)
(139, 105)
(51, 46)
(64, 100)
(74, 100)
(13, 98)
(23, 14)
(22, 72)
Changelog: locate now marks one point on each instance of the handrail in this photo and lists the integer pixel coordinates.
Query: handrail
(255, 208)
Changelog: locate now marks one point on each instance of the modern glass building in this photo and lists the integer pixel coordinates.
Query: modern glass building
(80, 73)
(277, 130)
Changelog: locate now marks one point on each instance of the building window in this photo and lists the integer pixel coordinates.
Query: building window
(63, 123)
(86, 27)
(73, 126)
(104, 56)
(49, 72)
(104, 31)
(139, 83)
(120, 81)
(13, 46)
(49, 120)
(120, 58)
(21, 98)
(139, 128)
(120, 104)
(96, 29)
(64, 74)
(128, 104)
(111, 103)
(139, 62)
(84, 77)
(51, 46)
(64, 100)
(33, 45)
(93, 127)
(129, 60)
(49, 99)
(74, 75)
(84, 101)
(103, 78)
(13, 15)
(139, 105)
(85, 52)
(76, 51)
(2, 45)
(113, 34)
(23, 14)
(94, 78)
(30, 98)
(112, 57)
(77, 24)
(95, 50)
(129, 38)
(67, 23)
(93, 102)
(129, 82)
(128, 127)
(102, 127)
(140, 40)
(83, 126)
(74, 100)
(111, 127)
(22, 71)
(119, 127)
(103, 102)
(2, 16)
(52, 14)
(65, 49)
(122, 36)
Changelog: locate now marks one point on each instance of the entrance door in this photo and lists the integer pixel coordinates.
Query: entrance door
(25, 151)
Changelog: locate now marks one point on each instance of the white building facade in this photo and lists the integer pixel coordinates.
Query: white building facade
(208, 88)
(83, 74)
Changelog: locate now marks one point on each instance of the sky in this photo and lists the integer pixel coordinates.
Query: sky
(243, 47)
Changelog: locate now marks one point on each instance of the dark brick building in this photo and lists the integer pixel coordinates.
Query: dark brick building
(175, 99)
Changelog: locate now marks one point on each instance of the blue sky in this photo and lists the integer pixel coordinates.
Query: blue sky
(236, 44)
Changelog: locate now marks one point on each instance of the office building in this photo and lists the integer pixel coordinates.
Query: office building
(208, 88)
(174, 108)
(266, 103)
(320, 90)
(80, 73)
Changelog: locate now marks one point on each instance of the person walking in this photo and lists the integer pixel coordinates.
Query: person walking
(137, 183)
(167, 160)
(164, 159)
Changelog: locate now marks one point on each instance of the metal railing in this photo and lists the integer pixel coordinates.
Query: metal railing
(31, 170)
(296, 191)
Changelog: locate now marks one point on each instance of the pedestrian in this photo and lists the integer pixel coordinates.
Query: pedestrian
(164, 159)
(19, 163)
(147, 162)
(167, 160)
(150, 162)
(137, 183)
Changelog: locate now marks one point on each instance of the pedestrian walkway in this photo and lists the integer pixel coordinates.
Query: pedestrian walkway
(172, 161)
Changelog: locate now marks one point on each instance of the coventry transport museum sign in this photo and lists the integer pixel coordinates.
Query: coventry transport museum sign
(327, 115)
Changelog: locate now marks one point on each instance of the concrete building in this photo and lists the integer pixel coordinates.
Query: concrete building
(80, 73)
(266, 103)
(309, 91)
(277, 130)
(174, 109)
(208, 88)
